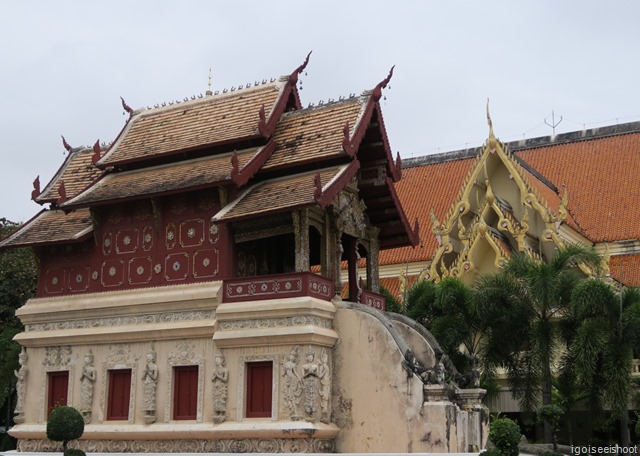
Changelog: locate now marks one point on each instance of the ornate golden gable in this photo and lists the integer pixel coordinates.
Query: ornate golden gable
(499, 210)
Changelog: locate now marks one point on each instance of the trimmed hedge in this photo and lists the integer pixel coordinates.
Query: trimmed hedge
(65, 424)
(505, 435)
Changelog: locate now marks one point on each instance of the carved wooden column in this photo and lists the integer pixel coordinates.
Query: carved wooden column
(373, 273)
(301, 232)
(352, 259)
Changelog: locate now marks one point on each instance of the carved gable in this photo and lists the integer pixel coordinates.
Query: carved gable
(503, 207)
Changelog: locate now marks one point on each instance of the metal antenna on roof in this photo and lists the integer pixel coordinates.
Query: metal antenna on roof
(209, 92)
(553, 123)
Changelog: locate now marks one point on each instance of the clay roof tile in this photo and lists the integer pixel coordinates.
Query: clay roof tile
(51, 227)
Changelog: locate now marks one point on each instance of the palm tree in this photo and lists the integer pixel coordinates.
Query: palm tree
(609, 328)
(525, 301)
(448, 311)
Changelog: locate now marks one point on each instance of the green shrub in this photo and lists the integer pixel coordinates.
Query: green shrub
(491, 452)
(392, 303)
(64, 424)
(552, 414)
(505, 435)
(74, 452)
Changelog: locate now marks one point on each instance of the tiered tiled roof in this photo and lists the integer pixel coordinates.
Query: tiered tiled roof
(51, 227)
(213, 120)
(279, 194)
(312, 134)
(188, 145)
(162, 179)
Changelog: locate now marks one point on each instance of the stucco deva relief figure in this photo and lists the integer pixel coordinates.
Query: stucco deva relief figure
(219, 379)
(87, 381)
(21, 386)
(150, 381)
(311, 380)
(292, 389)
(325, 385)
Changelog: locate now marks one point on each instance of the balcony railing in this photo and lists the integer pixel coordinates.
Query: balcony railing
(374, 300)
(278, 286)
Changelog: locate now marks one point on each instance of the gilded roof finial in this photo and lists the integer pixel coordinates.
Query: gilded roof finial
(209, 92)
(491, 135)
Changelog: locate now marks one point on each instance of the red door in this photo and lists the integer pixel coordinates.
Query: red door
(58, 383)
(185, 392)
(259, 383)
(119, 394)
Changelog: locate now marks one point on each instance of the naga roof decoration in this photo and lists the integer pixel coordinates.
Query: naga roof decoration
(335, 130)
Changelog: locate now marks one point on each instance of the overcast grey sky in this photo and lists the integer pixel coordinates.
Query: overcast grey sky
(64, 65)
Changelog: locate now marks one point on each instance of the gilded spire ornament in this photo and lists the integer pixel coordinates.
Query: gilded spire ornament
(489, 122)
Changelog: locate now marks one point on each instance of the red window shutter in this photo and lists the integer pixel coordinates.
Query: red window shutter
(58, 387)
(259, 384)
(119, 394)
(185, 392)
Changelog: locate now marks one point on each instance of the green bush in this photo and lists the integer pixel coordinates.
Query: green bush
(64, 424)
(392, 303)
(74, 452)
(552, 414)
(505, 435)
(491, 452)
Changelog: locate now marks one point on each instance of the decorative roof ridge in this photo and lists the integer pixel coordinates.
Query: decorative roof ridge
(325, 104)
(442, 157)
(413, 233)
(576, 136)
(324, 194)
(280, 85)
(525, 144)
(354, 134)
(242, 175)
(217, 95)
